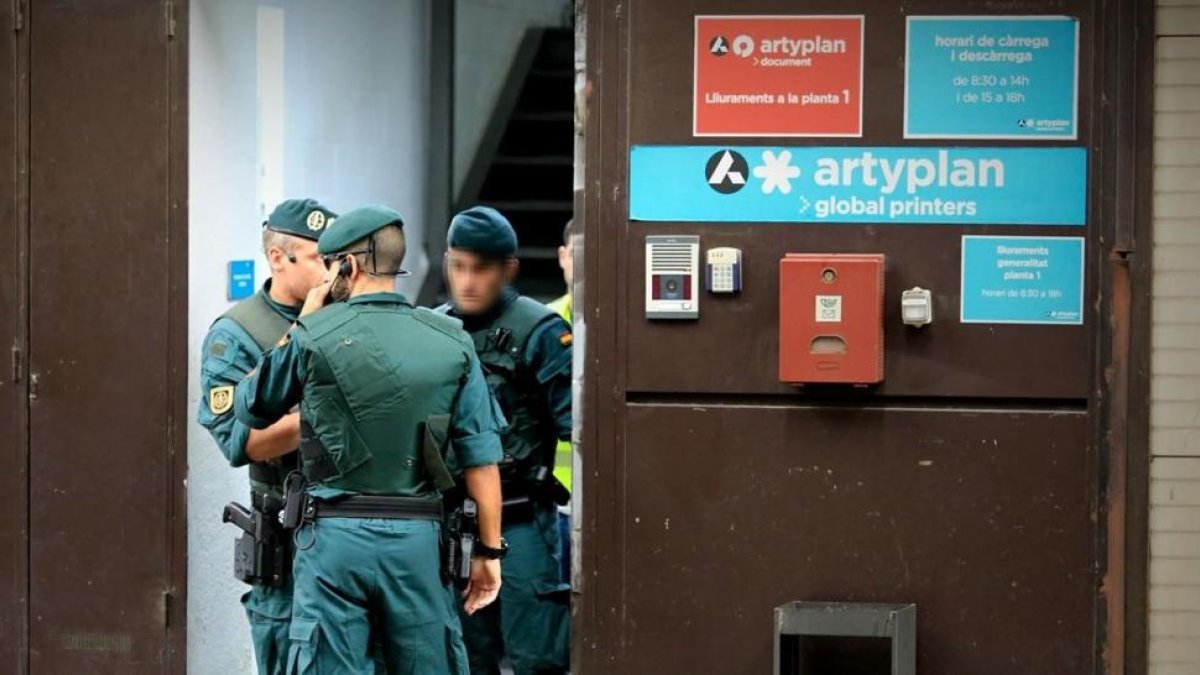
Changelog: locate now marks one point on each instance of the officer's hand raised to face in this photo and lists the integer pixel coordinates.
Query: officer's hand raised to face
(484, 586)
(318, 295)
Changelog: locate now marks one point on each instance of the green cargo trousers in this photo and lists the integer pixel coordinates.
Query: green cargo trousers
(269, 611)
(353, 575)
(531, 622)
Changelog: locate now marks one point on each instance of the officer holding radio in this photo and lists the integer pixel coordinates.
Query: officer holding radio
(525, 350)
(233, 346)
(388, 393)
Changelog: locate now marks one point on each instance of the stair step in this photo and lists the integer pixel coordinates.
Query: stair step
(537, 160)
(557, 48)
(552, 72)
(537, 253)
(554, 116)
(532, 205)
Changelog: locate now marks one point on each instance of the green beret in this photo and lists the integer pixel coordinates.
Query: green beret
(357, 224)
(482, 230)
(300, 217)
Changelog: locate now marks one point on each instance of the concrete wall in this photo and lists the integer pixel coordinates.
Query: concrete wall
(355, 125)
(1175, 409)
(487, 34)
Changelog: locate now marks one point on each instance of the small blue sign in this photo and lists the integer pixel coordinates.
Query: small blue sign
(1031, 280)
(241, 279)
(852, 184)
(992, 77)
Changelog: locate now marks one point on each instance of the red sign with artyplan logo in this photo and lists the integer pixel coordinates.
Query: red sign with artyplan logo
(778, 76)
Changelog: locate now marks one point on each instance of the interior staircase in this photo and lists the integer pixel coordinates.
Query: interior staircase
(523, 166)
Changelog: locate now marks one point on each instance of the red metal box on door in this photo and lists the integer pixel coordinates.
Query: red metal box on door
(831, 318)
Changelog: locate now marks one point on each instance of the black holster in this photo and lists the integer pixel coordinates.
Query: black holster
(262, 555)
(545, 485)
(460, 531)
(297, 507)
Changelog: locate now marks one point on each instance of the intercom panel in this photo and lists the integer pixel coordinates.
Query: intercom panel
(672, 277)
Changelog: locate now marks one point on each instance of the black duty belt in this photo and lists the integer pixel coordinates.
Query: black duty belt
(367, 506)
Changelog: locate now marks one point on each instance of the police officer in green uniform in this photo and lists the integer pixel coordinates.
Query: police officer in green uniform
(378, 382)
(233, 346)
(525, 350)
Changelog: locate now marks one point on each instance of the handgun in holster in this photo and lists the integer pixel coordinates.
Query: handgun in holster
(460, 532)
(546, 485)
(262, 555)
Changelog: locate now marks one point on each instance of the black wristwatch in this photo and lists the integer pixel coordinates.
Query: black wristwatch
(488, 553)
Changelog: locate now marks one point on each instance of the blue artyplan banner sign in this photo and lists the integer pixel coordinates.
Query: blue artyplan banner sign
(805, 184)
(992, 77)
(1022, 280)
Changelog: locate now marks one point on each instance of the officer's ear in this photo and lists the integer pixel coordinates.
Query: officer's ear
(511, 267)
(275, 258)
(350, 264)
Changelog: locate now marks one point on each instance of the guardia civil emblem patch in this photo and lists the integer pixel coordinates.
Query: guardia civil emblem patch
(220, 399)
(316, 221)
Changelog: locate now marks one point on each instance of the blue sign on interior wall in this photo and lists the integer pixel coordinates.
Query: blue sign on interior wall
(992, 77)
(852, 184)
(241, 279)
(1022, 280)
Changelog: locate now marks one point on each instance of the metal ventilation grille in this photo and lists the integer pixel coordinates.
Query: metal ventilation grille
(670, 258)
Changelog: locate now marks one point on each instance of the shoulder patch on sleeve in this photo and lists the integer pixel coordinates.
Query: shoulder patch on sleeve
(217, 348)
(565, 339)
(220, 399)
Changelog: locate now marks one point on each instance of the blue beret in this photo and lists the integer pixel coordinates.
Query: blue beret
(483, 230)
(357, 224)
(301, 218)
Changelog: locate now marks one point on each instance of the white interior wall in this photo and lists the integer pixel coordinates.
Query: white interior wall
(487, 34)
(223, 217)
(1175, 384)
(343, 119)
(357, 116)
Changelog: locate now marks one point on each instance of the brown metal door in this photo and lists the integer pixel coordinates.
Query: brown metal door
(973, 481)
(106, 336)
(13, 445)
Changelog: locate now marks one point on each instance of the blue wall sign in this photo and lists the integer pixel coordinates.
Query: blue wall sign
(1022, 280)
(992, 77)
(241, 279)
(851, 184)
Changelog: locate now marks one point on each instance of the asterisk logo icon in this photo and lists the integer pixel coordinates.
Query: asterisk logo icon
(776, 172)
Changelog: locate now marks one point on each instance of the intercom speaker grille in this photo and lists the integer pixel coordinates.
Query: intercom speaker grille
(671, 258)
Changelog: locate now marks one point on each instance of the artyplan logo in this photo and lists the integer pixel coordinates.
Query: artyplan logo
(726, 171)
(743, 45)
(719, 46)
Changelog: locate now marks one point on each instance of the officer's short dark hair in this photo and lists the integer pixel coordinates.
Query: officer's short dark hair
(568, 231)
(390, 247)
(281, 240)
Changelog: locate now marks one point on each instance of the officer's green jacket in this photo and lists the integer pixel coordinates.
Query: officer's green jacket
(545, 356)
(369, 374)
(228, 354)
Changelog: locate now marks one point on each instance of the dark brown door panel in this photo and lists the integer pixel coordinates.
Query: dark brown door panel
(980, 518)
